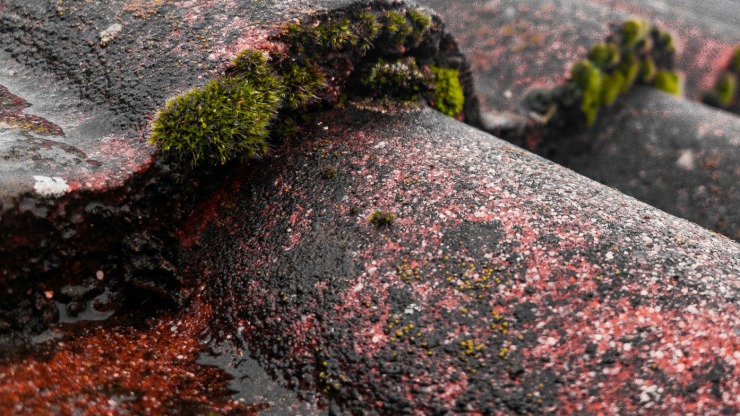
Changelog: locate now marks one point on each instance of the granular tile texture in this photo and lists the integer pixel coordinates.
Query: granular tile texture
(503, 283)
(673, 154)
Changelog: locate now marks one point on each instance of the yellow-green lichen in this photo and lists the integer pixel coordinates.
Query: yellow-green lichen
(381, 218)
(449, 97)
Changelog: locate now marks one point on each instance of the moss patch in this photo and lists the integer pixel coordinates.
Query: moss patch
(726, 88)
(401, 79)
(634, 53)
(725, 93)
(381, 218)
(364, 53)
(668, 81)
(228, 117)
(449, 98)
(734, 64)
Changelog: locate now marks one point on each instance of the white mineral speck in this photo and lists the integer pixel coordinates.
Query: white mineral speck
(686, 160)
(49, 185)
(109, 34)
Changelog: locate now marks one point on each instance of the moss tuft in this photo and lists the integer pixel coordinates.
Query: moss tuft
(648, 71)
(449, 98)
(420, 23)
(381, 218)
(665, 41)
(630, 69)
(367, 28)
(588, 79)
(402, 80)
(395, 28)
(634, 31)
(735, 61)
(726, 88)
(337, 35)
(668, 81)
(604, 55)
(612, 85)
(227, 118)
(252, 64)
(303, 81)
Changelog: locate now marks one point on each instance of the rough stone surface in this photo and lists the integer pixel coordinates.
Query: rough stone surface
(505, 282)
(673, 154)
(79, 86)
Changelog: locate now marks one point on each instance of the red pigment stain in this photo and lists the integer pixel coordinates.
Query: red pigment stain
(119, 369)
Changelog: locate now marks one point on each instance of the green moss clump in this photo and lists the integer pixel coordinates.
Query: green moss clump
(588, 78)
(726, 88)
(604, 55)
(322, 38)
(381, 218)
(611, 86)
(420, 23)
(395, 28)
(337, 35)
(252, 64)
(328, 173)
(367, 28)
(665, 41)
(629, 66)
(226, 118)
(402, 80)
(668, 81)
(303, 81)
(648, 71)
(735, 61)
(634, 31)
(449, 97)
